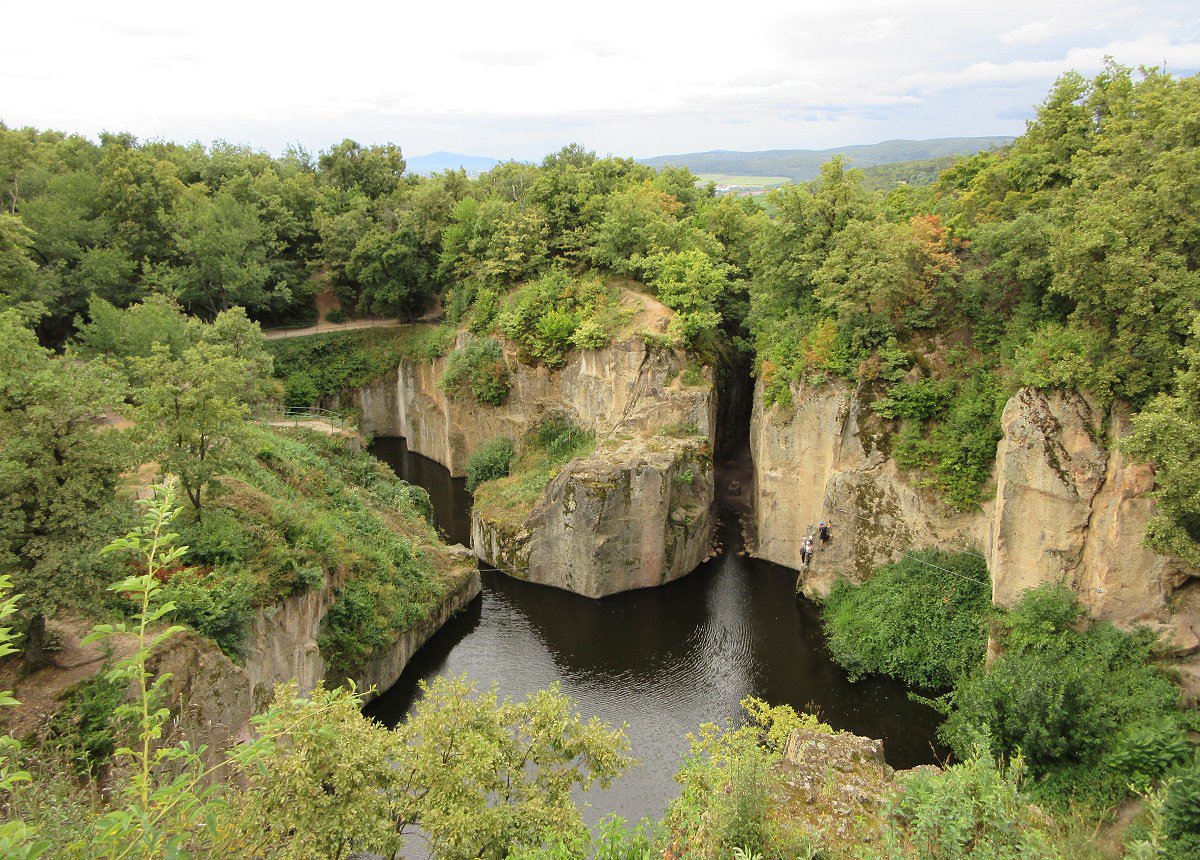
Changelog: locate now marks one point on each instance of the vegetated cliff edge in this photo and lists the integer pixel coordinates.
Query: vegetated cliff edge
(634, 513)
(1068, 505)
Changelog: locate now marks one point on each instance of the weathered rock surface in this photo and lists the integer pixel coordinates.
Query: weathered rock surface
(1067, 505)
(625, 388)
(215, 698)
(813, 462)
(631, 516)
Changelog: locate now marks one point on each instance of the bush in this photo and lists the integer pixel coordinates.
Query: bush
(1071, 697)
(922, 399)
(299, 391)
(337, 315)
(217, 605)
(489, 461)
(972, 811)
(219, 538)
(83, 725)
(920, 620)
(477, 369)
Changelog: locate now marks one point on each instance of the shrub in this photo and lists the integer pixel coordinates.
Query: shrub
(299, 391)
(489, 461)
(477, 369)
(922, 399)
(337, 315)
(1070, 696)
(219, 538)
(920, 620)
(217, 605)
(83, 725)
(973, 811)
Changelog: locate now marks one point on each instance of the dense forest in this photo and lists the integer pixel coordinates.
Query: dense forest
(134, 278)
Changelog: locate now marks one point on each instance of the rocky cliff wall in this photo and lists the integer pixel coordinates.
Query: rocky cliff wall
(624, 389)
(631, 516)
(215, 698)
(1067, 505)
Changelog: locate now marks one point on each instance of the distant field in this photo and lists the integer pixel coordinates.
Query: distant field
(744, 181)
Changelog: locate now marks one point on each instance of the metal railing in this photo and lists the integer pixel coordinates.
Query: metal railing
(297, 416)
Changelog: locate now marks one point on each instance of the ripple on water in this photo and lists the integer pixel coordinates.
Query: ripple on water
(661, 660)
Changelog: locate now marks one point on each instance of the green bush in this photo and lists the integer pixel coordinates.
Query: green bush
(477, 369)
(920, 620)
(217, 605)
(220, 538)
(489, 461)
(922, 399)
(560, 437)
(337, 315)
(299, 391)
(83, 725)
(972, 811)
(1071, 697)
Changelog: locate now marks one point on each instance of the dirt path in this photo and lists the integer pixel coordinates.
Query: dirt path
(328, 327)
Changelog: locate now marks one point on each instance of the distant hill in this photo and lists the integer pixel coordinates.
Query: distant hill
(885, 177)
(801, 165)
(436, 162)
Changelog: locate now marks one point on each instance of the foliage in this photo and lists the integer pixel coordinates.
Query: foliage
(477, 369)
(1075, 700)
(559, 312)
(487, 775)
(920, 619)
(58, 473)
(1167, 433)
(218, 605)
(729, 780)
(83, 723)
(489, 461)
(553, 441)
(972, 811)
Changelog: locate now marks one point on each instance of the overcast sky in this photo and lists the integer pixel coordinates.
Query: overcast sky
(520, 79)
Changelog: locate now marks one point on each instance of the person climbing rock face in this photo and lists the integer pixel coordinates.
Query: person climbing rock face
(806, 550)
(824, 533)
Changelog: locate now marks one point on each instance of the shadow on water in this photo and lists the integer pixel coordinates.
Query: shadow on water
(660, 660)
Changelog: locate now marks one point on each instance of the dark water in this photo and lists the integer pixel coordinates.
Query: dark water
(662, 660)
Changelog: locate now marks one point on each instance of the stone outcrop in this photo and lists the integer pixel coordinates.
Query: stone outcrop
(1068, 505)
(215, 698)
(620, 519)
(624, 389)
(631, 516)
(813, 461)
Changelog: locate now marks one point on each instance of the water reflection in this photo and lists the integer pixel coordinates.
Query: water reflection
(661, 660)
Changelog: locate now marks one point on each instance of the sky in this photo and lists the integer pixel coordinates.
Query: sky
(519, 79)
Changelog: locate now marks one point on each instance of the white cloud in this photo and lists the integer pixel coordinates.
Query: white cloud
(524, 77)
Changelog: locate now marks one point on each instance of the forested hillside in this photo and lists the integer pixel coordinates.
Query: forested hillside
(802, 165)
(134, 277)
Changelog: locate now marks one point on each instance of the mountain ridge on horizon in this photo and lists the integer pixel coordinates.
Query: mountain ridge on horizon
(799, 165)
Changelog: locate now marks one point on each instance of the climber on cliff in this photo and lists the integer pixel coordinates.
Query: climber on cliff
(806, 551)
(824, 533)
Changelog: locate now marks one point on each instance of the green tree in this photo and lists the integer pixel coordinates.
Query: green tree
(191, 411)
(58, 470)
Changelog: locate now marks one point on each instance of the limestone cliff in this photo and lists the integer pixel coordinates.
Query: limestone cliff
(813, 462)
(215, 698)
(637, 513)
(1067, 505)
(631, 516)
(626, 388)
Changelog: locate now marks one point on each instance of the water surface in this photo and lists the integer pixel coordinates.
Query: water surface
(661, 660)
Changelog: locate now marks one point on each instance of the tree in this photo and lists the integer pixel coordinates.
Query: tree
(1167, 434)
(691, 284)
(57, 470)
(481, 776)
(191, 411)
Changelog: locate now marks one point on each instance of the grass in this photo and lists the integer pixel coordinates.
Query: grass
(549, 446)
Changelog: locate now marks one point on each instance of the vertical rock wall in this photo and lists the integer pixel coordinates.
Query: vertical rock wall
(1067, 506)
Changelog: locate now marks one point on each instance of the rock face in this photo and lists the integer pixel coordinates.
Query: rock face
(813, 462)
(215, 698)
(1068, 506)
(633, 516)
(625, 388)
